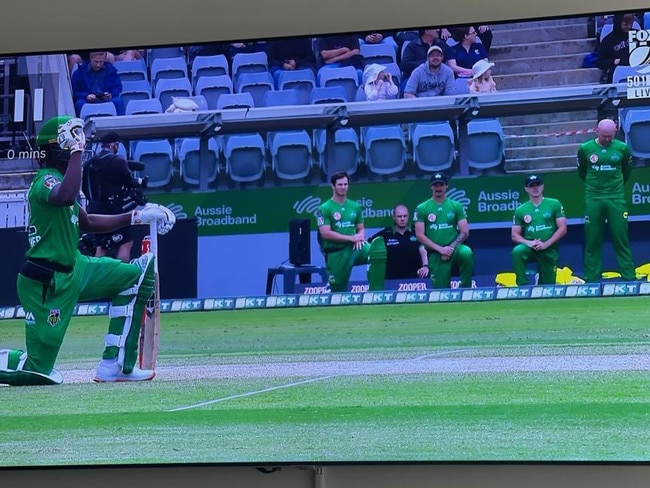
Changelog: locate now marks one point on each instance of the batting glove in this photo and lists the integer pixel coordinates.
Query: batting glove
(164, 217)
(70, 136)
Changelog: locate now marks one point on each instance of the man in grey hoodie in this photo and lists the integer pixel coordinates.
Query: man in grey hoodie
(431, 78)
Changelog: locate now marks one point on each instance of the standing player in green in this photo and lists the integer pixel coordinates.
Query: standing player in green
(537, 227)
(56, 275)
(342, 238)
(605, 165)
(441, 226)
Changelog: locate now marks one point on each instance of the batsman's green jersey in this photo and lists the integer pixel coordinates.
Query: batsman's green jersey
(441, 226)
(537, 222)
(605, 170)
(53, 231)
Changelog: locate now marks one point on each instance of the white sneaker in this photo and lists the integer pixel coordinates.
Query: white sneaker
(109, 371)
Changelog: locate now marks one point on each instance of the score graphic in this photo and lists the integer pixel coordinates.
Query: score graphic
(638, 85)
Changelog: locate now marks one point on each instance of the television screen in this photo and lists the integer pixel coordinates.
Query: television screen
(287, 333)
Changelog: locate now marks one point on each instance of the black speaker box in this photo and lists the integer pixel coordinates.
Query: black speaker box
(299, 245)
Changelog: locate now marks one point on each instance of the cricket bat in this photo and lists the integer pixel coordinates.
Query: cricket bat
(150, 331)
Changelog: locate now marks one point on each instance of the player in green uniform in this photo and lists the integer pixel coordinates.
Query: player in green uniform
(605, 164)
(441, 226)
(537, 227)
(341, 235)
(56, 275)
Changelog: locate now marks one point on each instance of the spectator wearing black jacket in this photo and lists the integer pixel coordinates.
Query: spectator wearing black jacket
(614, 50)
(289, 55)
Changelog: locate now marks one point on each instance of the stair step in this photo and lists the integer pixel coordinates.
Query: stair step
(545, 79)
(541, 164)
(551, 118)
(542, 49)
(17, 165)
(528, 64)
(15, 181)
(541, 23)
(540, 34)
(536, 129)
(543, 141)
(533, 152)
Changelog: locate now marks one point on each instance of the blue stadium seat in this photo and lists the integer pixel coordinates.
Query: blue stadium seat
(158, 160)
(381, 53)
(347, 77)
(172, 87)
(461, 86)
(273, 98)
(291, 154)
(257, 84)
(235, 100)
(245, 157)
(189, 156)
(330, 94)
(302, 80)
(216, 65)
(249, 63)
(163, 52)
(212, 87)
(163, 68)
(200, 100)
(131, 70)
(346, 150)
(135, 90)
(101, 109)
(148, 106)
(385, 149)
(433, 146)
(486, 143)
(395, 71)
(636, 127)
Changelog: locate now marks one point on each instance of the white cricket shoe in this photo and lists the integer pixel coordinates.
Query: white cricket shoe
(109, 371)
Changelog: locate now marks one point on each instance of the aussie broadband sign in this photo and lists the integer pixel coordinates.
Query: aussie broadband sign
(490, 202)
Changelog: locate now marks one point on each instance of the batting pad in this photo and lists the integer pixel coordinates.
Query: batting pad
(123, 333)
(377, 268)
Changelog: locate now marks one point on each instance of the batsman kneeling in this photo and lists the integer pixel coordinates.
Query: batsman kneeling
(56, 275)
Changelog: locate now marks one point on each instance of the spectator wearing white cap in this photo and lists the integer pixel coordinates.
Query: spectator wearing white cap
(481, 80)
(378, 83)
(432, 78)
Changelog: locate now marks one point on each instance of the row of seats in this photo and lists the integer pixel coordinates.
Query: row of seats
(291, 154)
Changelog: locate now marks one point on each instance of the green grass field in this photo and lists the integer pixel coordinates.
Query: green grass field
(538, 380)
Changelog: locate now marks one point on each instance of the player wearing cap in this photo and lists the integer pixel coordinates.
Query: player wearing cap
(342, 239)
(55, 275)
(537, 227)
(108, 186)
(431, 78)
(441, 226)
(605, 165)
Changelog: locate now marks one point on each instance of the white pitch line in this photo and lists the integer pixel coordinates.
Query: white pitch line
(305, 382)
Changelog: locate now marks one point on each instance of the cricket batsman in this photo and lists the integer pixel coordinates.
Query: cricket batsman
(341, 235)
(605, 165)
(56, 275)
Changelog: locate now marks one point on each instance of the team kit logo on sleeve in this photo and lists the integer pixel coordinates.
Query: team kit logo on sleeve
(50, 181)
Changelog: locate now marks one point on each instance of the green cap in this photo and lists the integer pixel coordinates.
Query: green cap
(50, 129)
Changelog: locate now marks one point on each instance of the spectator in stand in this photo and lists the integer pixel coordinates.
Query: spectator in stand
(246, 47)
(289, 55)
(431, 78)
(483, 32)
(415, 52)
(386, 37)
(378, 83)
(97, 81)
(466, 52)
(340, 51)
(481, 80)
(123, 55)
(212, 49)
(614, 50)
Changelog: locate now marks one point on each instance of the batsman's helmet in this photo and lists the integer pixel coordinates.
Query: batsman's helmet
(46, 141)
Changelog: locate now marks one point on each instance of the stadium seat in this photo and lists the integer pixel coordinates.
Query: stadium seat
(382, 53)
(302, 80)
(433, 146)
(291, 154)
(385, 149)
(163, 52)
(274, 98)
(212, 87)
(189, 156)
(346, 150)
(485, 142)
(257, 84)
(148, 106)
(200, 100)
(346, 77)
(235, 100)
(157, 158)
(245, 157)
(164, 68)
(636, 127)
(135, 90)
(131, 70)
(249, 63)
(101, 109)
(216, 65)
(172, 87)
(395, 71)
(461, 86)
(330, 94)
